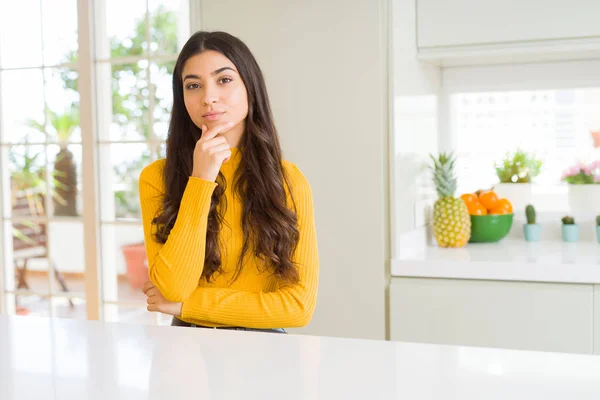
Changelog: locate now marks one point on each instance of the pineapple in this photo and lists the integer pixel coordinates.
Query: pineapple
(451, 219)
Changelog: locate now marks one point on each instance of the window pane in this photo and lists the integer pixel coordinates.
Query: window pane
(27, 169)
(67, 257)
(62, 100)
(22, 106)
(124, 265)
(162, 153)
(68, 308)
(29, 257)
(65, 174)
(161, 74)
(59, 21)
(128, 98)
(166, 16)
(120, 166)
(121, 28)
(556, 125)
(20, 29)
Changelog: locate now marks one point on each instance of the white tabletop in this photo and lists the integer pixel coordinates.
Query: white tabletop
(509, 260)
(64, 359)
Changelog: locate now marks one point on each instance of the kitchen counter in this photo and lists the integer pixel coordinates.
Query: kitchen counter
(65, 359)
(508, 260)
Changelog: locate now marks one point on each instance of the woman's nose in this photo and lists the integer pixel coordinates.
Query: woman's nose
(210, 100)
(210, 97)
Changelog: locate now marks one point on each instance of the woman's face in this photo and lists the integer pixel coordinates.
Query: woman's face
(214, 93)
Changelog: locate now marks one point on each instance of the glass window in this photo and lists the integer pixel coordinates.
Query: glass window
(136, 46)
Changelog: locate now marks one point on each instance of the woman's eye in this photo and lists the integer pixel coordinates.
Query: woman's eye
(225, 80)
(192, 86)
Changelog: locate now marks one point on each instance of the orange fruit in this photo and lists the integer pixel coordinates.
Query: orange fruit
(469, 198)
(498, 210)
(479, 192)
(488, 199)
(504, 203)
(477, 208)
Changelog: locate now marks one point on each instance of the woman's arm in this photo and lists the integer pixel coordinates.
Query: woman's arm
(175, 267)
(286, 307)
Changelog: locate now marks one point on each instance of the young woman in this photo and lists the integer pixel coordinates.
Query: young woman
(228, 224)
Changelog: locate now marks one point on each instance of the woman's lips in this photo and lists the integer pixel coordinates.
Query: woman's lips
(213, 116)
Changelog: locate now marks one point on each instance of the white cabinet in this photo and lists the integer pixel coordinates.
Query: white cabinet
(483, 22)
(514, 315)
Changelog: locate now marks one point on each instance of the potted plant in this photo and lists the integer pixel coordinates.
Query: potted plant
(136, 264)
(598, 228)
(515, 173)
(62, 126)
(64, 165)
(532, 230)
(584, 188)
(570, 230)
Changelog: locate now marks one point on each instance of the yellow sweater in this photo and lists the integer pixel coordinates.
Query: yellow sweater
(255, 299)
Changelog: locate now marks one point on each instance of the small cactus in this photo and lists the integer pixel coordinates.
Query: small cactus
(598, 220)
(530, 214)
(568, 220)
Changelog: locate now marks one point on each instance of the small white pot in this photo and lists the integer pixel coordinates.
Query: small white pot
(584, 200)
(519, 194)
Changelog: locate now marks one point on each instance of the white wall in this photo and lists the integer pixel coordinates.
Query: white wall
(325, 71)
(417, 94)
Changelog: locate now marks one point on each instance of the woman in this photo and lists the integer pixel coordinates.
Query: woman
(228, 225)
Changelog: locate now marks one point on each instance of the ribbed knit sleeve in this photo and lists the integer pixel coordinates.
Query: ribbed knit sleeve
(175, 267)
(290, 306)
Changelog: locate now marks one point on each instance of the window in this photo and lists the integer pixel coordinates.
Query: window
(135, 57)
(41, 152)
(482, 112)
(135, 47)
(556, 125)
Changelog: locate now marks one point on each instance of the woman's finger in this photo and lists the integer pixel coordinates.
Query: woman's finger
(208, 134)
(152, 292)
(215, 141)
(219, 148)
(225, 154)
(147, 286)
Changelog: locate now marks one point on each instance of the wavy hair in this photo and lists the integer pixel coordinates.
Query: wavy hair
(269, 224)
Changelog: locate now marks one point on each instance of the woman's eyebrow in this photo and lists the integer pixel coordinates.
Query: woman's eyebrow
(216, 72)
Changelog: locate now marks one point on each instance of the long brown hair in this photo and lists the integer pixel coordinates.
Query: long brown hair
(269, 225)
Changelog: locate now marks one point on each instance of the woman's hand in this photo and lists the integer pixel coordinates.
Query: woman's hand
(210, 152)
(157, 303)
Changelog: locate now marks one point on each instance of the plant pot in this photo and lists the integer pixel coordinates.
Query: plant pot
(598, 233)
(136, 264)
(584, 200)
(570, 233)
(533, 232)
(519, 194)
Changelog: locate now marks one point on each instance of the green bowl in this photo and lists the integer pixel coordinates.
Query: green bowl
(490, 228)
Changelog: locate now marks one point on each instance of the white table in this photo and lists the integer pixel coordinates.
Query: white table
(64, 359)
